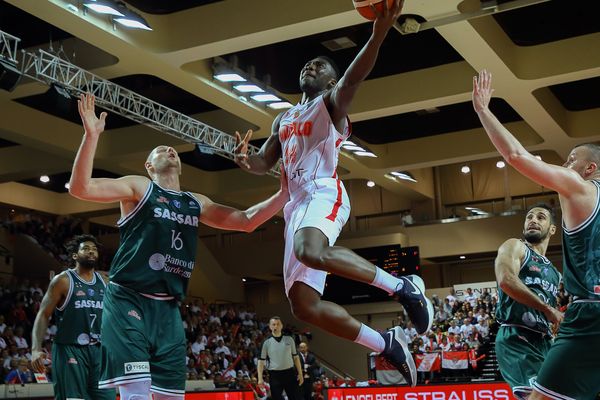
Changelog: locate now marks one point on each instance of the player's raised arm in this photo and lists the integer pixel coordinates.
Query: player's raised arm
(102, 190)
(267, 156)
(565, 181)
(343, 92)
(225, 217)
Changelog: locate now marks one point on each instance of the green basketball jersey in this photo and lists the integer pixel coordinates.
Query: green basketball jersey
(158, 243)
(542, 278)
(581, 255)
(78, 318)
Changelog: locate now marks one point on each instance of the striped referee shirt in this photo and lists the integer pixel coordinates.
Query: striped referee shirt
(278, 352)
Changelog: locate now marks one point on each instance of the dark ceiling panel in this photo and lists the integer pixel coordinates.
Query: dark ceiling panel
(413, 125)
(398, 54)
(57, 181)
(550, 21)
(578, 95)
(165, 93)
(53, 103)
(31, 30)
(207, 161)
(7, 143)
(146, 85)
(167, 7)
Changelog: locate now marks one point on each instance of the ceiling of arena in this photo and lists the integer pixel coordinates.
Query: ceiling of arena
(413, 111)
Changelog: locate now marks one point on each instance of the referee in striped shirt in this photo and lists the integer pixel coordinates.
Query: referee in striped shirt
(282, 360)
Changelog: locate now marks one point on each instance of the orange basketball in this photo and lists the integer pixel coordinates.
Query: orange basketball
(364, 7)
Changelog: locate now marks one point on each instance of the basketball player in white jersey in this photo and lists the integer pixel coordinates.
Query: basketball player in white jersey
(308, 137)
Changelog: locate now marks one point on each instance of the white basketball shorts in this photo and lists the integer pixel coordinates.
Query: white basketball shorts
(322, 204)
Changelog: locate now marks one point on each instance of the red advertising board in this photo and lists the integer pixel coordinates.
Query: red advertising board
(472, 391)
(220, 396)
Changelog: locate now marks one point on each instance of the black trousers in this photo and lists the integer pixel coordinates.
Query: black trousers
(287, 380)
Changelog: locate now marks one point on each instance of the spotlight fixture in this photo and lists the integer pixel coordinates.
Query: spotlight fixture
(227, 71)
(465, 169)
(243, 279)
(352, 147)
(44, 179)
(370, 184)
(265, 97)
(403, 175)
(108, 7)
(280, 104)
(230, 77)
(133, 20)
(500, 164)
(462, 257)
(365, 154)
(248, 88)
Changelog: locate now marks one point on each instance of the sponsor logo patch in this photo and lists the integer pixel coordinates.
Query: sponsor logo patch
(535, 268)
(177, 203)
(80, 293)
(134, 314)
(597, 289)
(136, 367)
(162, 199)
(91, 292)
(72, 361)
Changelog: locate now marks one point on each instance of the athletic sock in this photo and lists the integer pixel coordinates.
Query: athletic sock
(370, 338)
(385, 281)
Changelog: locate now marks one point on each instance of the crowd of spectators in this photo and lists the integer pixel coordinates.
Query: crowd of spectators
(51, 232)
(458, 326)
(19, 303)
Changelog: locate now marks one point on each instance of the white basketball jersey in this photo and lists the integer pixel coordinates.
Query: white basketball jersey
(310, 143)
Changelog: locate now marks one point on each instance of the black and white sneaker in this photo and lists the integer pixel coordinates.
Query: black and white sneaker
(397, 353)
(411, 294)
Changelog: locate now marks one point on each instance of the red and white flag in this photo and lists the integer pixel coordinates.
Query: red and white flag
(386, 373)
(455, 359)
(428, 362)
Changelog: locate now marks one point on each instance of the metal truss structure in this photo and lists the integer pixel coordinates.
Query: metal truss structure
(8, 47)
(50, 69)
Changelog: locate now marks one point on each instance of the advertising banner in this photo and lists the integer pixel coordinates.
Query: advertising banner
(472, 391)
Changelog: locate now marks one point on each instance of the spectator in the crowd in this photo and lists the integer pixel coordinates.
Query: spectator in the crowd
(486, 295)
(471, 297)
(454, 329)
(410, 331)
(198, 345)
(407, 218)
(20, 373)
(222, 348)
(483, 328)
(466, 328)
(20, 341)
(451, 298)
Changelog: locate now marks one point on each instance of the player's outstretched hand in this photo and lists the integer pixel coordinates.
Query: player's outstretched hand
(93, 125)
(37, 361)
(482, 91)
(241, 149)
(388, 16)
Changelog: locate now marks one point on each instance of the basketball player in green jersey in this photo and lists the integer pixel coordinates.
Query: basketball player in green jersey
(527, 288)
(76, 297)
(571, 368)
(143, 342)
